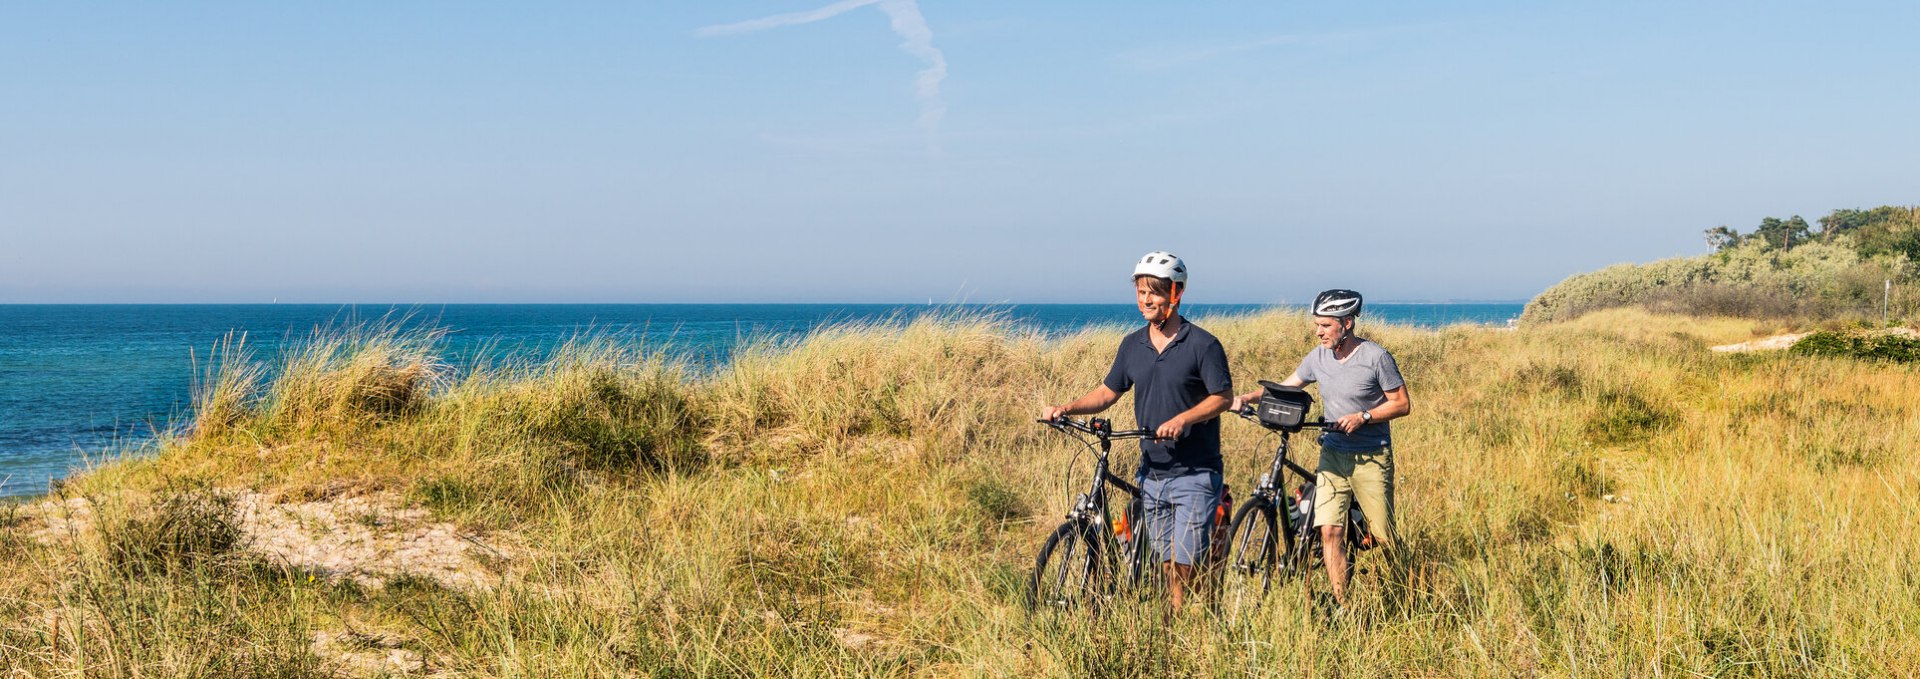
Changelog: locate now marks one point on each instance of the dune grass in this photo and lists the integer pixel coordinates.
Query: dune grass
(1599, 497)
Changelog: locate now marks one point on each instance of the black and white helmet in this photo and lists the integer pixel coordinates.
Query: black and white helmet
(1162, 265)
(1337, 304)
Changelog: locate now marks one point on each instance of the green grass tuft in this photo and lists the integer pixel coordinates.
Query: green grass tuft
(182, 526)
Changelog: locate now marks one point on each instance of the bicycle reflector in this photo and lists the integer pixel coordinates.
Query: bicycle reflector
(1283, 407)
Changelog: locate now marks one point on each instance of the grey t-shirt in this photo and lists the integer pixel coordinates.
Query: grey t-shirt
(1361, 383)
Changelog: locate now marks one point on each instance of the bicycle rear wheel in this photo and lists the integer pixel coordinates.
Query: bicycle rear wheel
(1069, 572)
(1255, 546)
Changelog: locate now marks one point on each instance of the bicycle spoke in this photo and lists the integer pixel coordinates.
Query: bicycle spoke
(1254, 549)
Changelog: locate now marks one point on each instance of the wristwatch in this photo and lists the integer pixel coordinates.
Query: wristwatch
(1366, 416)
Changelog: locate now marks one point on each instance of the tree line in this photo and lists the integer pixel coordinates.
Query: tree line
(1855, 264)
(1881, 231)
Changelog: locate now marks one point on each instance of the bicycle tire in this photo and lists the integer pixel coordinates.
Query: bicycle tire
(1068, 572)
(1303, 546)
(1255, 543)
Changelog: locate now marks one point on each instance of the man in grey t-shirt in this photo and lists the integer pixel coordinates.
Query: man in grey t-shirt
(1360, 389)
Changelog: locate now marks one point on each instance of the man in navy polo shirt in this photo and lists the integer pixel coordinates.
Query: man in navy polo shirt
(1181, 373)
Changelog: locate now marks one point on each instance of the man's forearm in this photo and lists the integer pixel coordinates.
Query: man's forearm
(1208, 408)
(1095, 401)
(1398, 405)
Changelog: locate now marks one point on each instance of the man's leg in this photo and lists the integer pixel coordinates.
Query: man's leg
(1178, 574)
(1332, 497)
(1194, 498)
(1333, 543)
(1373, 490)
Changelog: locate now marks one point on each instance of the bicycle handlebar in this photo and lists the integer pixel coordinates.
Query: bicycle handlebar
(1098, 427)
(1248, 413)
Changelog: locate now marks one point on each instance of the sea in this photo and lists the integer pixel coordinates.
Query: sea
(82, 383)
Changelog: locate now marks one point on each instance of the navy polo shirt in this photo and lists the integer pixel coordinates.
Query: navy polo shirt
(1170, 382)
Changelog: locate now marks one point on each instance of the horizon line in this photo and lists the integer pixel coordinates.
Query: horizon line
(778, 303)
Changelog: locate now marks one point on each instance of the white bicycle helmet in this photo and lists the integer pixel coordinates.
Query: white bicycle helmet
(1337, 303)
(1162, 265)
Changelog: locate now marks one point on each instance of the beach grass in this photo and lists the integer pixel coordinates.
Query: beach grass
(1597, 497)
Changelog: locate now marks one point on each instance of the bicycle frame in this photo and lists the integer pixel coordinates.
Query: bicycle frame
(1268, 487)
(1296, 515)
(1090, 515)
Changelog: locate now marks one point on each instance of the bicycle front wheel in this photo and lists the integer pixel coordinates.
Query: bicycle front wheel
(1068, 572)
(1254, 548)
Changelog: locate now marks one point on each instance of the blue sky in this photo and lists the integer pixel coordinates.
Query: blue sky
(891, 151)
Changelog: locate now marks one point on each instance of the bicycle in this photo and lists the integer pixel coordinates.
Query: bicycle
(1260, 550)
(1077, 564)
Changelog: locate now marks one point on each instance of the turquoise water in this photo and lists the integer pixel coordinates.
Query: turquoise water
(78, 380)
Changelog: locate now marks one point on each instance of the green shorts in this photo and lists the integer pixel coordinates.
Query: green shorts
(1347, 477)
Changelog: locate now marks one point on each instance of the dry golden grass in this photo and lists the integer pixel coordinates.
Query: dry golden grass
(1602, 497)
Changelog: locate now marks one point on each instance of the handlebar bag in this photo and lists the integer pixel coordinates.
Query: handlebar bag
(1283, 407)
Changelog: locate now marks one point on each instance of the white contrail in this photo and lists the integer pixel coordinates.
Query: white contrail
(903, 15)
(778, 20)
(907, 22)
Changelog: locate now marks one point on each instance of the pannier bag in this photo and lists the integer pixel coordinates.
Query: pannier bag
(1283, 407)
(1218, 541)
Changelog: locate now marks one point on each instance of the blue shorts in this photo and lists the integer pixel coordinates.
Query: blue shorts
(1179, 515)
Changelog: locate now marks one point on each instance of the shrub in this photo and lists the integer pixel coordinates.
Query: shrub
(995, 501)
(1579, 475)
(603, 406)
(1825, 279)
(1622, 416)
(1865, 346)
(444, 495)
(355, 374)
(1545, 377)
(1830, 456)
(185, 525)
(1725, 299)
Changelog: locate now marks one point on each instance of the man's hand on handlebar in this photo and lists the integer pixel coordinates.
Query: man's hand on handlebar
(1347, 423)
(1051, 413)
(1171, 429)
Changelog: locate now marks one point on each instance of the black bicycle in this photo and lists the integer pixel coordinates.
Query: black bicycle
(1088, 558)
(1261, 548)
